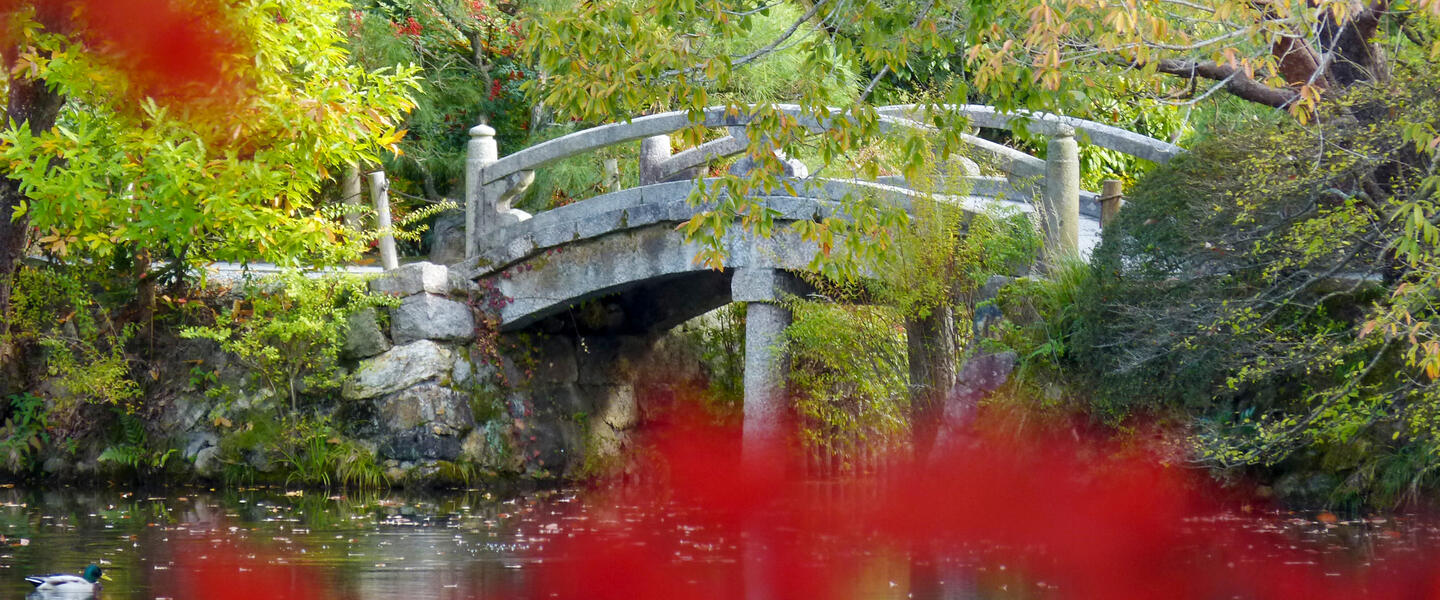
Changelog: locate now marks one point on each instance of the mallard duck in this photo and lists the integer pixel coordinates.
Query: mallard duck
(64, 582)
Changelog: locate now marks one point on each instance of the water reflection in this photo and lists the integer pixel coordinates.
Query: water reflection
(462, 545)
(472, 545)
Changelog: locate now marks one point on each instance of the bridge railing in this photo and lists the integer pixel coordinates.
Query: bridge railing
(492, 181)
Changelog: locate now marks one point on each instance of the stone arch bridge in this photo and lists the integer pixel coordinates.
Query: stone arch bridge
(619, 253)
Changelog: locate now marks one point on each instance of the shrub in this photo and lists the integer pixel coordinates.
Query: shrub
(849, 378)
(290, 329)
(1278, 283)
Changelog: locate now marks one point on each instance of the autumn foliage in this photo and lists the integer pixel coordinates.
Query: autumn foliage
(166, 48)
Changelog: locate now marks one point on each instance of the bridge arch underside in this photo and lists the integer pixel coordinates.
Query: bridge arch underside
(642, 280)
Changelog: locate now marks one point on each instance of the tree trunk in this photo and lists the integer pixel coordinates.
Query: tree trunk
(931, 347)
(1345, 56)
(1353, 58)
(32, 103)
(145, 298)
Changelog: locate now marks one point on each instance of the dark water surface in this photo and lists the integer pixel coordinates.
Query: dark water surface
(461, 545)
(470, 544)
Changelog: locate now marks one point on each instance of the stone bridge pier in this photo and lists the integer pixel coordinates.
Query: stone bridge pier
(766, 365)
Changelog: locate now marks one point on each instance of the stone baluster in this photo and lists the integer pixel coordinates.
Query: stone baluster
(350, 193)
(480, 208)
(612, 175)
(1061, 207)
(653, 152)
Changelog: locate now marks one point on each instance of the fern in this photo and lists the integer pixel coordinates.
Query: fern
(131, 447)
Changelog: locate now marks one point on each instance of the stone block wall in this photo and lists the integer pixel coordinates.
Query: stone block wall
(414, 374)
(555, 405)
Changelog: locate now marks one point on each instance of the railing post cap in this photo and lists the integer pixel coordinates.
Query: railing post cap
(1060, 130)
(482, 130)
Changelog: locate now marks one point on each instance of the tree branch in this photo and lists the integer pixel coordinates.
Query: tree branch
(1237, 82)
(761, 51)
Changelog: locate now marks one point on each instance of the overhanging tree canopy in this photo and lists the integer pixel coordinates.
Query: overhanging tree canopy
(114, 142)
(618, 58)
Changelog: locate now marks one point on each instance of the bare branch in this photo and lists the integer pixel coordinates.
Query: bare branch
(886, 69)
(761, 51)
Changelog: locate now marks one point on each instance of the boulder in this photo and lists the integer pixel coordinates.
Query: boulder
(184, 412)
(468, 372)
(412, 279)
(985, 373)
(447, 238)
(460, 284)
(616, 408)
(493, 448)
(991, 290)
(987, 316)
(363, 337)
(417, 444)
(981, 375)
(398, 368)
(57, 467)
(430, 317)
(616, 412)
(199, 440)
(207, 461)
(437, 408)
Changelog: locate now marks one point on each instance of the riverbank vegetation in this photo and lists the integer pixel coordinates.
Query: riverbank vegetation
(1268, 296)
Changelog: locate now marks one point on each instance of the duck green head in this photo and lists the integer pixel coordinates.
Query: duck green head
(92, 574)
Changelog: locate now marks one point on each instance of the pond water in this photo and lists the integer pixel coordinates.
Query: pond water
(461, 545)
(473, 545)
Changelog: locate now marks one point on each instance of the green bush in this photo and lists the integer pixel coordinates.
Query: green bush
(290, 329)
(303, 450)
(130, 447)
(25, 432)
(720, 339)
(1277, 284)
(60, 309)
(848, 376)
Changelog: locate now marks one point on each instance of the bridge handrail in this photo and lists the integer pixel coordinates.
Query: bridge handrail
(667, 202)
(610, 134)
(1099, 134)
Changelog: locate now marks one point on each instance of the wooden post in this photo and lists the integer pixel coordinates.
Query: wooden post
(350, 195)
(1112, 198)
(380, 193)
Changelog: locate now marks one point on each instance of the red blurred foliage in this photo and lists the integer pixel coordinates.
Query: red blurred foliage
(1091, 519)
(168, 50)
(410, 27)
(214, 569)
